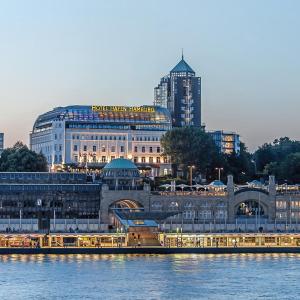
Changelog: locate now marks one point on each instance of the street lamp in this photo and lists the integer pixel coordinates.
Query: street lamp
(255, 168)
(219, 172)
(191, 174)
(39, 204)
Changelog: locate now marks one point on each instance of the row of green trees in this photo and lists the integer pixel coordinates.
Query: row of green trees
(20, 159)
(280, 158)
(193, 146)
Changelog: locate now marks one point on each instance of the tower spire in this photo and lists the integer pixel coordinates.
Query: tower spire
(182, 54)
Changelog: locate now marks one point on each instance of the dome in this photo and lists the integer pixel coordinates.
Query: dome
(120, 163)
(121, 168)
(217, 184)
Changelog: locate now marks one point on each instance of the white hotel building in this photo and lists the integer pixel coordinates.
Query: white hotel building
(91, 136)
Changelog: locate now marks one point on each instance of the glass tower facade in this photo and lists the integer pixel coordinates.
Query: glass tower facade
(180, 92)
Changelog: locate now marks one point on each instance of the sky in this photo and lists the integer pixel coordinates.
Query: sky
(59, 52)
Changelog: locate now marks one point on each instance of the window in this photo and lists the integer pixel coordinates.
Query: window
(85, 148)
(135, 159)
(281, 204)
(135, 149)
(156, 206)
(165, 160)
(158, 160)
(94, 148)
(189, 214)
(103, 159)
(122, 149)
(94, 158)
(75, 148)
(158, 150)
(150, 160)
(150, 149)
(143, 159)
(113, 148)
(76, 158)
(103, 149)
(143, 149)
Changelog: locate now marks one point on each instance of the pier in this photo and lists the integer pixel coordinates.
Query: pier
(171, 243)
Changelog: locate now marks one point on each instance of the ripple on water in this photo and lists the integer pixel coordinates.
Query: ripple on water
(179, 276)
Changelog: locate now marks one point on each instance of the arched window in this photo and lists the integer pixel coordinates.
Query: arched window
(173, 206)
(189, 214)
(205, 214)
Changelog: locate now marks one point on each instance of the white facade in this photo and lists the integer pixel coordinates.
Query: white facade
(65, 143)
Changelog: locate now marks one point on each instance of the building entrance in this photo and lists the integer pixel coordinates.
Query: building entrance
(124, 204)
(250, 208)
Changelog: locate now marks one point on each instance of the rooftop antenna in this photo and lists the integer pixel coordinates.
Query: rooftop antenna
(182, 53)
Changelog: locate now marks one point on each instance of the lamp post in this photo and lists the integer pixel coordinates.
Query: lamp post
(219, 172)
(191, 174)
(255, 168)
(39, 213)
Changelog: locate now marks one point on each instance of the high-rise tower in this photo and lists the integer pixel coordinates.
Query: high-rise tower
(180, 92)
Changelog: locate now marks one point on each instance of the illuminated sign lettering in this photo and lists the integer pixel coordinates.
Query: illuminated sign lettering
(140, 109)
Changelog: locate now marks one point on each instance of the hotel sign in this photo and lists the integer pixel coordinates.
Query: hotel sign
(138, 109)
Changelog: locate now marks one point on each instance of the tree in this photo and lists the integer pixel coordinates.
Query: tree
(240, 165)
(286, 170)
(20, 159)
(280, 159)
(275, 152)
(189, 146)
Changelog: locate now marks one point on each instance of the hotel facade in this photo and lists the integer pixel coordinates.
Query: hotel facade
(91, 136)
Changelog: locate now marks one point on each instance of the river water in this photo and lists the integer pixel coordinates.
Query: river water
(237, 276)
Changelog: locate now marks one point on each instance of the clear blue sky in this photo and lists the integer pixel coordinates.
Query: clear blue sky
(55, 53)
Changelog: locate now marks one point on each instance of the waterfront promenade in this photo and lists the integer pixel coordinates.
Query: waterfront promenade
(117, 243)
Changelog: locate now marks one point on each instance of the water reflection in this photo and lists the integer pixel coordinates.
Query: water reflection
(181, 276)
